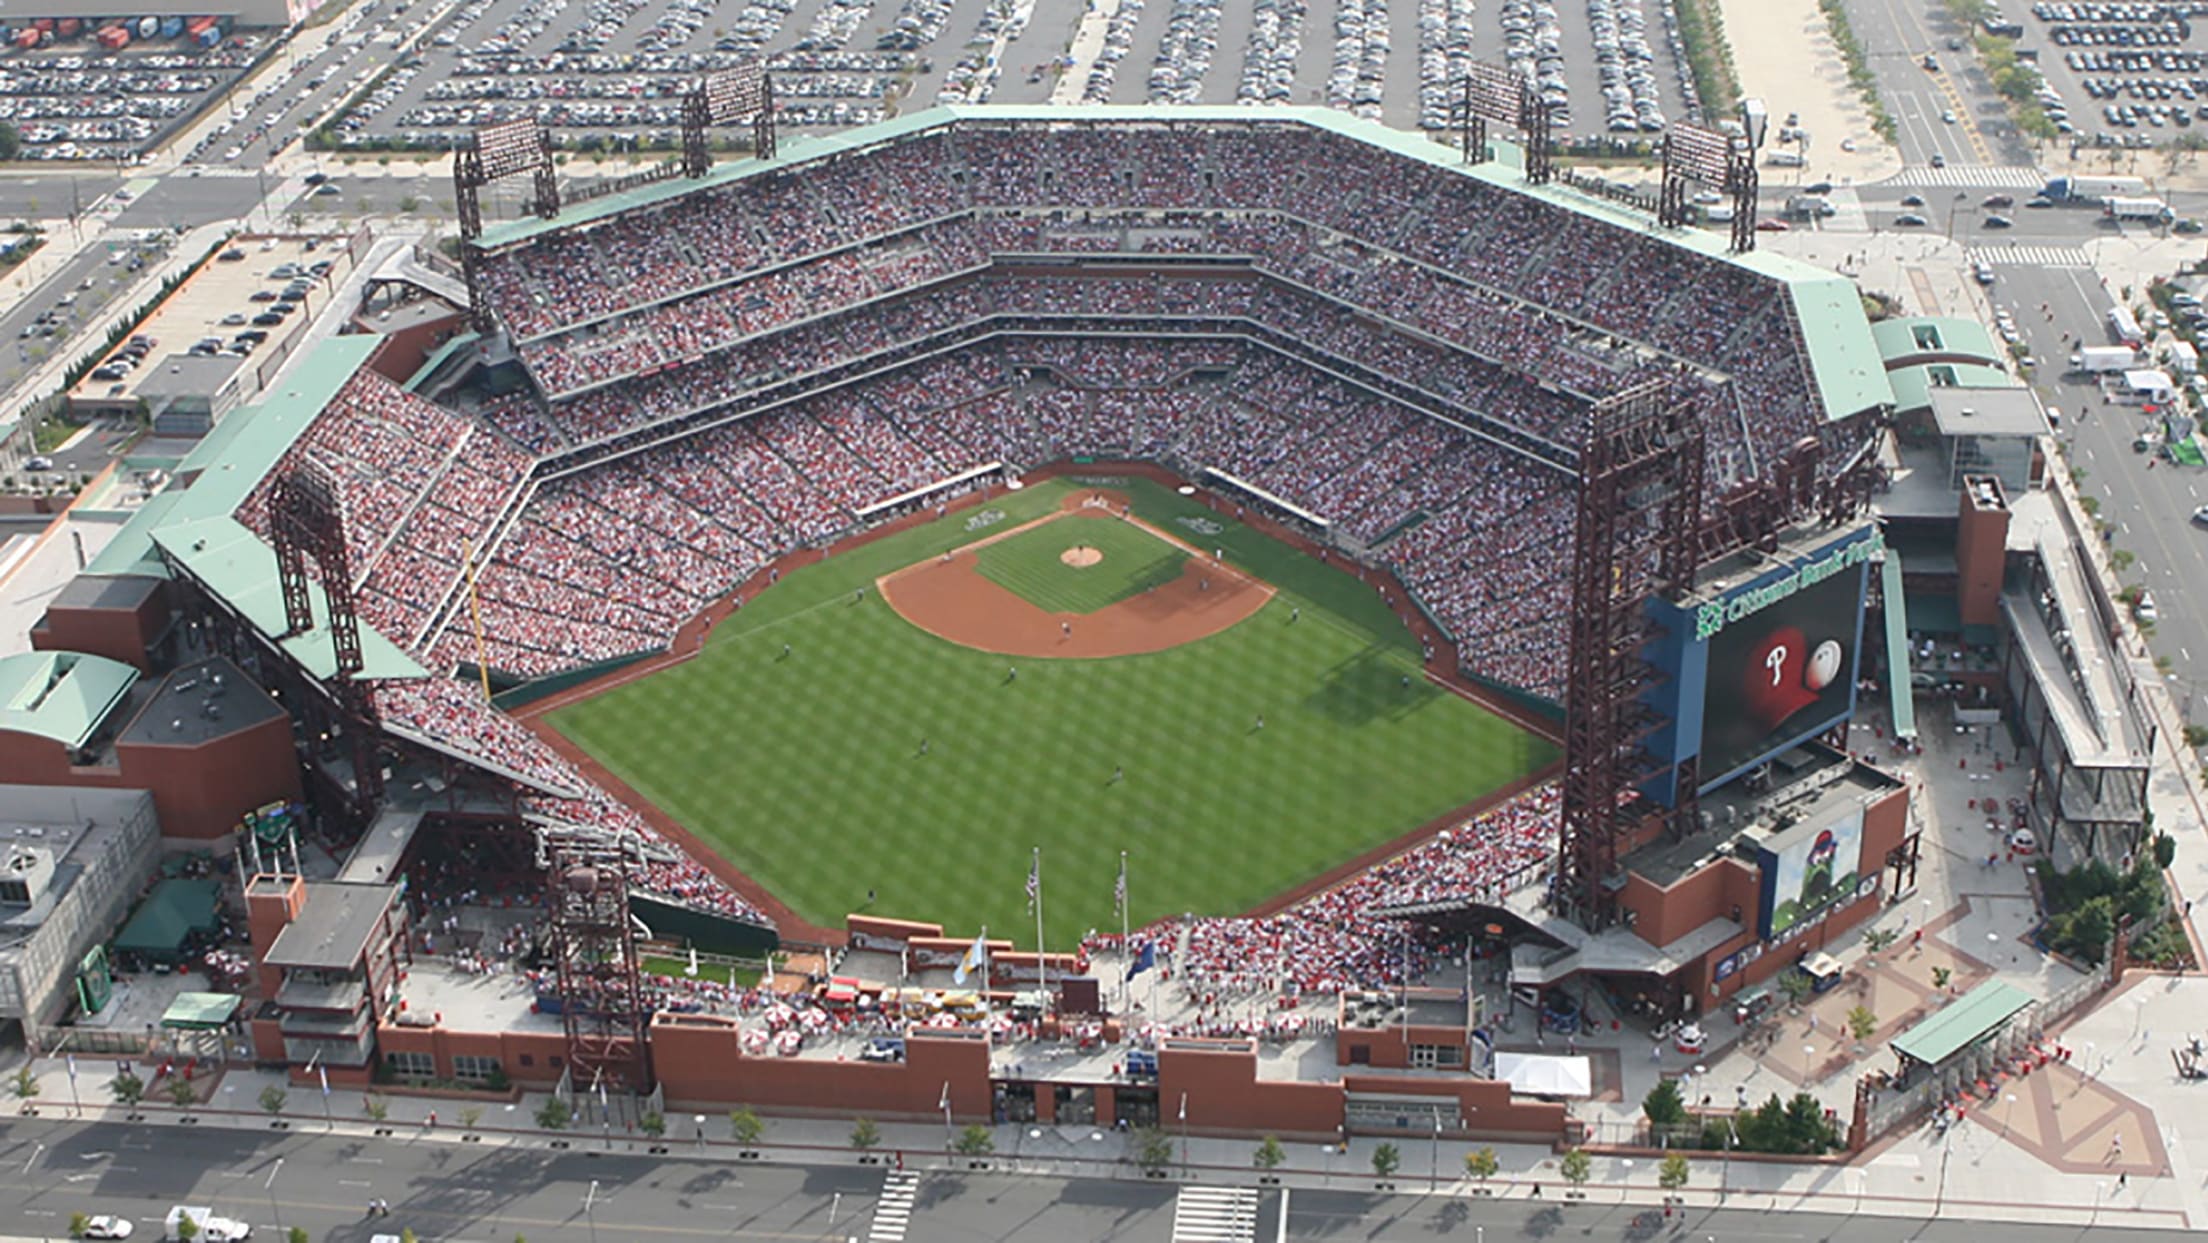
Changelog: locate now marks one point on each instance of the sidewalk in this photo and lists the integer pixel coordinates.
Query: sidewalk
(1973, 1188)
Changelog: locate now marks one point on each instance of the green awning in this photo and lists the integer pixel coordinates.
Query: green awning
(163, 922)
(201, 1011)
(1898, 690)
(1964, 1022)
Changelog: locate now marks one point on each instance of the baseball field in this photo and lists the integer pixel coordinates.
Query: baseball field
(911, 717)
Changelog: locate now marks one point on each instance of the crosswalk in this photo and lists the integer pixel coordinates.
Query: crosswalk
(893, 1215)
(2032, 256)
(1965, 176)
(1215, 1215)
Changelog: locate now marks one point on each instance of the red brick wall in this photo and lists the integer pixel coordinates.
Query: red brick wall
(1389, 1048)
(202, 791)
(699, 1063)
(1226, 1096)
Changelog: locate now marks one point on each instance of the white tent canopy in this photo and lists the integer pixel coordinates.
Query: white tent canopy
(1539, 1074)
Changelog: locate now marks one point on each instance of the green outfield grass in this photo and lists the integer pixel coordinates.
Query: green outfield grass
(808, 771)
(1029, 564)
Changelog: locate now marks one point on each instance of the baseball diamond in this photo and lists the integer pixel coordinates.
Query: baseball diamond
(877, 757)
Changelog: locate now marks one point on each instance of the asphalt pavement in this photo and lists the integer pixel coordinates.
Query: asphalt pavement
(1897, 34)
(447, 1191)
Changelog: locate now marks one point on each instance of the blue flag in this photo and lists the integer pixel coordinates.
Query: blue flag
(1147, 959)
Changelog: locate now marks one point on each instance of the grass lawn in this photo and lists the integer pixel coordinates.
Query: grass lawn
(720, 973)
(1030, 564)
(808, 772)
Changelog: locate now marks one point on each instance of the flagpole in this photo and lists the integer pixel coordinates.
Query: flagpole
(1042, 966)
(1126, 982)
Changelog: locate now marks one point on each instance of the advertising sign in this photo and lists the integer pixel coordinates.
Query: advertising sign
(1809, 868)
(1781, 673)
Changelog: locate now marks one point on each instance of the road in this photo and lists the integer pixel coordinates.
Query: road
(447, 1191)
(1898, 34)
(2150, 508)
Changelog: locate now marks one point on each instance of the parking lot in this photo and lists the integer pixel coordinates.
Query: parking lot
(2121, 74)
(615, 69)
(75, 101)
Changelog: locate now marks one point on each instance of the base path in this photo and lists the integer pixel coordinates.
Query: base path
(950, 599)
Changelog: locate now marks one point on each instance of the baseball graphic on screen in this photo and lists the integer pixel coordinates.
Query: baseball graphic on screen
(1824, 665)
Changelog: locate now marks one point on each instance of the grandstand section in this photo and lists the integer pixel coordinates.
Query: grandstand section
(691, 386)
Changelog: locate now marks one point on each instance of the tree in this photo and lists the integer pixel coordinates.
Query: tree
(407, 1236)
(127, 1089)
(272, 1100)
(1482, 1164)
(181, 1092)
(1796, 985)
(1153, 1149)
(469, 1116)
(26, 1083)
(186, 1228)
(865, 1136)
(1576, 1167)
(975, 1141)
(380, 1109)
(1940, 977)
(1269, 1154)
(298, 1234)
(1672, 1174)
(1879, 940)
(745, 1125)
(1862, 1022)
(2165, 850)
(78, 1224)
(1385, 1161)
(554, 1114)
(653, 1124)
(11, 143)
(1663, 1106)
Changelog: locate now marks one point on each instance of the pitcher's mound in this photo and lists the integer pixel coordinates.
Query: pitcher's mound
(1080, 556)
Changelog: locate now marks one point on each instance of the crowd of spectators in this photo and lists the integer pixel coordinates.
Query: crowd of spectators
(420, 487)
(1460, 282)
(1336, 940)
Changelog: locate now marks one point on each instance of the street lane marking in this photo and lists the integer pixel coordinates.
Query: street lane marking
(893, 1212)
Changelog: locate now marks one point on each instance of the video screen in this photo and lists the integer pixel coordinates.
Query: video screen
(1781, 674)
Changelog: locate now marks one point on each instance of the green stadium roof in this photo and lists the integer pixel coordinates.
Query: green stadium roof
(61, 695)
(226, 557)
(1849, 376)
(224, 466)
(1934, 334)
(1913, 385)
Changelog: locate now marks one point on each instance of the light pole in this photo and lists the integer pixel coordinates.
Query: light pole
(1184, 1135)
(945, 1102)
(1725, 1163)
(1433, 1168)
(590, 1209)
(270, 1188)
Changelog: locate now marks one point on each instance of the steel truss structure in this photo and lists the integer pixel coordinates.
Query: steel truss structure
(1637, 537)
(603, 1009)
(727, 97)
(1492, 94)
(1700, 155)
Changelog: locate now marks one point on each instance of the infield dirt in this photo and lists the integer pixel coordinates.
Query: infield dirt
(950, 599)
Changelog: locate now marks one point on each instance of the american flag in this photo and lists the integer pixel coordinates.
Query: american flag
(1034, 881)
(1119, 888)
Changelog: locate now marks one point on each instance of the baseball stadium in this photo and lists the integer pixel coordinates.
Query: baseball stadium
(1149, 530)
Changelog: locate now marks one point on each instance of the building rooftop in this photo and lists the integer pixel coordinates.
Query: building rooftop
(333, 929)
(75, 823)
(186, 375)
(1809, 784)
(227, 558)
(104, 591)
(61, 695)
(200, 702)
(2008, 411)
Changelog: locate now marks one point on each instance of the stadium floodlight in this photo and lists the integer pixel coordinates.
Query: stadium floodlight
(1697, 152)
(511, 147)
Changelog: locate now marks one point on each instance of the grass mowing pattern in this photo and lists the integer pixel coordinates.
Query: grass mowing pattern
(1028, 564)
(806, 771)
